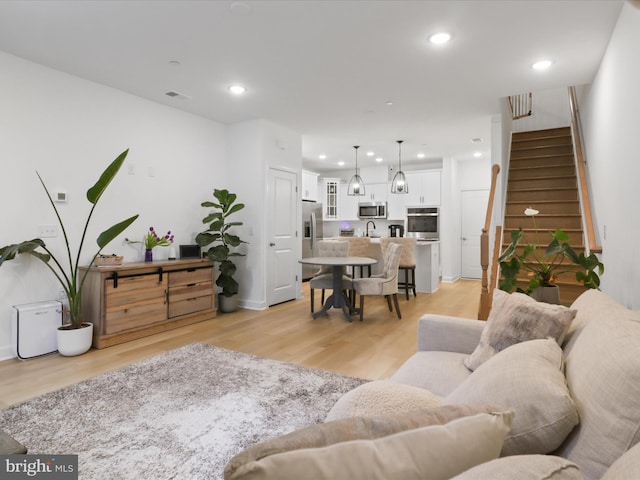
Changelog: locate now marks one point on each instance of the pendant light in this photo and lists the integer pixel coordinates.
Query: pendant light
(399, 182)
(356, 185)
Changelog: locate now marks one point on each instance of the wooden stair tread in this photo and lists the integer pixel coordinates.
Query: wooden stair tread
(546, 177)
(540, 189)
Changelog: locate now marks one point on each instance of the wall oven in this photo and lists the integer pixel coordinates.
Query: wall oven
(372, 210)
(423, 223)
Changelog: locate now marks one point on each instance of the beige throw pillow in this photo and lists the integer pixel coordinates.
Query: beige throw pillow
(516, 318)
(525, 467)
(353, 428)
(528, 378)
(381, 397)
(435, 452)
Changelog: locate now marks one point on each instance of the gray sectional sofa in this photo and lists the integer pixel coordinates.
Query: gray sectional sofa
(600, 360)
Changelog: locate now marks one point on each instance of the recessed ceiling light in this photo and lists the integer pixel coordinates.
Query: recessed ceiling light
(542, 65)
(370, 154)
(341, 163)
(477, 154)
(421, 155)
(322, 156)
(237, 89)
(388, 103)
(440, 38)
(379, 159)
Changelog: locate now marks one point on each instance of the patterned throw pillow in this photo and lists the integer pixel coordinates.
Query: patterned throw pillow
(516, 318)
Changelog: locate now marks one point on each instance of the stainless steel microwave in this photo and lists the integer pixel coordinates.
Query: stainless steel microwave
(372, 210)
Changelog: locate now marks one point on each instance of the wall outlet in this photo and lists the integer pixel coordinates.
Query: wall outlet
(47, 231)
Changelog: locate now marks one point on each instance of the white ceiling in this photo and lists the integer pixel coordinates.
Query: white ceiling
(325, 69)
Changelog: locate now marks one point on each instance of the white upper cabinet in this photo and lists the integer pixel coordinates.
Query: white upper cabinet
(375, 192)
(330, 187)
(309, 186)
(349, 203)
(424, 188)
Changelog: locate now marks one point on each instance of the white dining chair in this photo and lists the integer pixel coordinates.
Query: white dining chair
(385, 284)
(323, 279)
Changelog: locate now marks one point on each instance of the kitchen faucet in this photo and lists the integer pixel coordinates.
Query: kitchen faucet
(367, 227)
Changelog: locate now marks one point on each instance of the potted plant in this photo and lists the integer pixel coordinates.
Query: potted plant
(223, 241)
(543, 268)
(151, 239)
(67, 270)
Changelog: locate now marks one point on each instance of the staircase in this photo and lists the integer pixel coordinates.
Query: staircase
(542, 176)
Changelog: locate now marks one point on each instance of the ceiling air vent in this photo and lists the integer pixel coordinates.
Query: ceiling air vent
(179, 95)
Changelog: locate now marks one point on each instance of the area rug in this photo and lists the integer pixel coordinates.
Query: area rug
(180, 415)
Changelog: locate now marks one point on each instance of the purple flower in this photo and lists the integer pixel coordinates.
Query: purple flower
(151, 229)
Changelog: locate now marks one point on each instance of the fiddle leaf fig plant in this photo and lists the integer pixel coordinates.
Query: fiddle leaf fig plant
(67, 270)
(223, 241)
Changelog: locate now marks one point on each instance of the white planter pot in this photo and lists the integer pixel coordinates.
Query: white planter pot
(75, 341)
(227, 304)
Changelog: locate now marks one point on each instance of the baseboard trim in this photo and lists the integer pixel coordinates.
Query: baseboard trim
(6, 353)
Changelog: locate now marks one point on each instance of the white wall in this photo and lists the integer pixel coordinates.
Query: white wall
(253, 148)
(550, 109)
(609, 114)
(69, 130)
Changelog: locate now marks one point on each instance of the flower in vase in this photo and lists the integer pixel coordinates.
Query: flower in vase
(152, 239)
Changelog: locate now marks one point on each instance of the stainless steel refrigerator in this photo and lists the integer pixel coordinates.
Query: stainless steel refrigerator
(311, 233)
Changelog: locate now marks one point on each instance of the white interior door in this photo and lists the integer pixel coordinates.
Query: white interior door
(473, 210)
(282, 257)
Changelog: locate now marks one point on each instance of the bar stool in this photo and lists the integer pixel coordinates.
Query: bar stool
(407, 262)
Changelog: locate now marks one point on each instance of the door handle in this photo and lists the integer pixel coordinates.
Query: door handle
(271, 244)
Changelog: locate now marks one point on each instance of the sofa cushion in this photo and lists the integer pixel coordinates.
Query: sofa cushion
(626, 467)
(381, 397)
(438, 372)
(516, 318)
(438, 452)
(603, 375)
(528, 378)
(525, 467)
(355, 428)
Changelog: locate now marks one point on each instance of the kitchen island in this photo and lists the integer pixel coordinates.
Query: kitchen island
(427, 255)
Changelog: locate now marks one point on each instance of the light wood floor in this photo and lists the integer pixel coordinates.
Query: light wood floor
(372, 349)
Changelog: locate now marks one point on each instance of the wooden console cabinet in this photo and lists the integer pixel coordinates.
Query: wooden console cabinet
(134, 300)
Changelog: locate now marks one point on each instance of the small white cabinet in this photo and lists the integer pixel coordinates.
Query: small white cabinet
(309, 186)
(424, 188)
(375, 192)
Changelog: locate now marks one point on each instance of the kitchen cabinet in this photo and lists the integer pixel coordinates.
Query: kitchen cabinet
(349, 203)
(396, 206)
(424, 188)
(309, 186)
(427, 266)
(330, 197)
(134, 300)
(376, 192)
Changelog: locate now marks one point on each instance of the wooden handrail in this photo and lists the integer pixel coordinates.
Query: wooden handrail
(486, 292)
(582, 174)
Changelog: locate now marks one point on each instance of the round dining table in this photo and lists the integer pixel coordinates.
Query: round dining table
(338, 299)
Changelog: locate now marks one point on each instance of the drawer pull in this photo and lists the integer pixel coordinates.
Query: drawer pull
(191, 284)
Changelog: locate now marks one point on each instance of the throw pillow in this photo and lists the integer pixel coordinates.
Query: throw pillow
(626, 467)
(603, 375)
(525, 467)
(381, 397)
(354, 428)
(516, 318)
(528, 378)
(435, 452)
